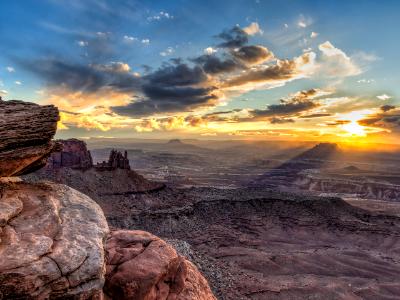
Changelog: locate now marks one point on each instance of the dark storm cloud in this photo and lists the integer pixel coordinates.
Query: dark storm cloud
(172, 88)
(233, 38)
(253, 54)
(179, 100)
(386, 108)
(177, 75)
(214, 65)
(84, 78)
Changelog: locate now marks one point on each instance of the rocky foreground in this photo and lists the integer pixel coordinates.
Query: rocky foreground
(260, 244)
(55, 241)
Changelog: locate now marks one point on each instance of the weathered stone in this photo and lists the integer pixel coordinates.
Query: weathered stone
(74, 154)
(51, 243)
(142, 266)
(26, 130)
(117, 160)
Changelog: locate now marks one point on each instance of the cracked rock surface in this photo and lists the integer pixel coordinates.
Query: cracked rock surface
(51, 243)
(142, 266)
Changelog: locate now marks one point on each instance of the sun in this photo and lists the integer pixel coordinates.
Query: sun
(353, 128)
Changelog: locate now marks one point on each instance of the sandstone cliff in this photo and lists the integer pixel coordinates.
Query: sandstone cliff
(73, 154)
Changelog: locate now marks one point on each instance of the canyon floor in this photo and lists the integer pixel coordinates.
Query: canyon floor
(260, 242)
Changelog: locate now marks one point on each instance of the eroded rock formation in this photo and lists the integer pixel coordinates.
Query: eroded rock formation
(73, 154)
(142, 266)
(51, 243)
(117, 160)
(26, 130)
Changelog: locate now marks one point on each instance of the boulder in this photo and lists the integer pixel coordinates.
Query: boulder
(51, 243)
(26, 130)
(142, 266)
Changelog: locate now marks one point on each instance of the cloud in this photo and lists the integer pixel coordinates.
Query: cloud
(336, 63)
(364, 80)
(276, 120)
(304, 22)
(184, 87)
(386, 108)
(60, 75)
(384, 97)
(172, 88)
(253, 29)
(161, 15)
(210, 50)
(130, 39)
(283, 70)
(387, 119)
(338, 122)
(233, 38)
(214, 65)
(253, 54)
(82, 43)
(17, 82)
(299, 103)
(3, 92)
(145, 41)
(167, 52)
(316, 115)
(10, 69)
(313, 35)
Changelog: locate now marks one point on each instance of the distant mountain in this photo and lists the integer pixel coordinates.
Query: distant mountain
(175, 142)
(320, 156)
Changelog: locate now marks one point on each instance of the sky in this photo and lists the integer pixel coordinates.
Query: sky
(254, 69)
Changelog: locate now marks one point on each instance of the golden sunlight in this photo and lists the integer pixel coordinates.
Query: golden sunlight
(353, 128)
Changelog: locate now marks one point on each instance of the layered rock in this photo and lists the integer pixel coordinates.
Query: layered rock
(355, 185)
(26, 130)
(142, 266)
(51, 243)
(74, 154)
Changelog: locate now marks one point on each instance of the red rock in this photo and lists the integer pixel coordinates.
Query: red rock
(51, 243)
(74, 154)
(117, 160)
(142, 266)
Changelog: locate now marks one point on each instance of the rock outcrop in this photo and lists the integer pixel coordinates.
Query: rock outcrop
(117, 160)
(73, 154)
(142, 266)
(26, 130)
(51, 236)
(51, 243)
